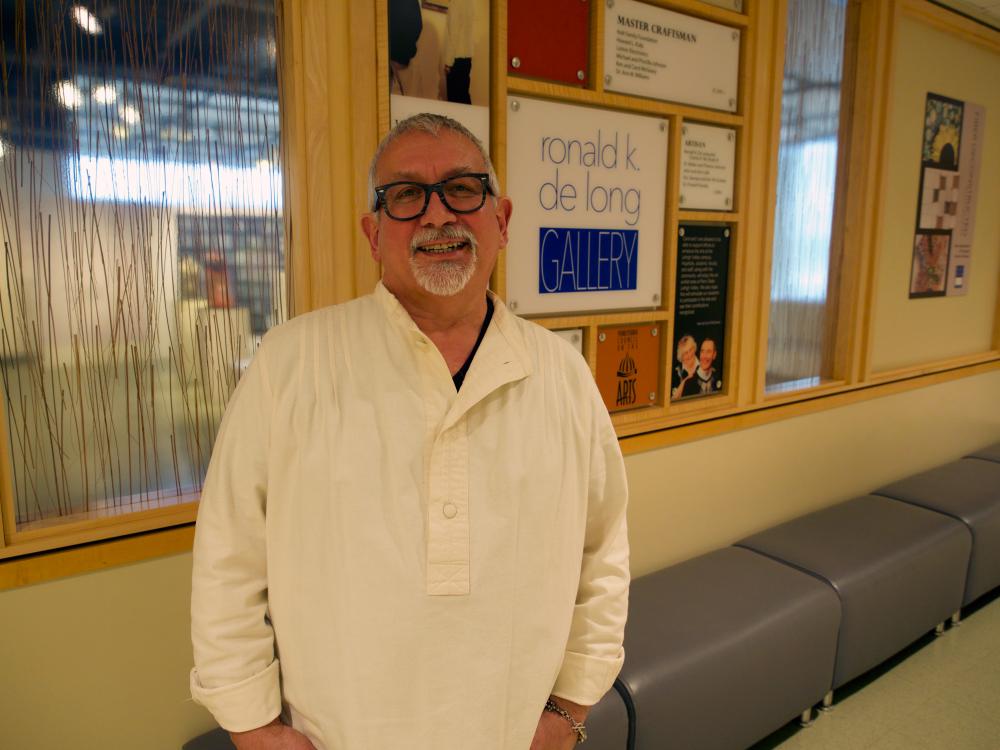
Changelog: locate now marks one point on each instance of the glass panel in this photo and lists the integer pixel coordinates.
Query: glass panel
(141, 211)
(801, 305)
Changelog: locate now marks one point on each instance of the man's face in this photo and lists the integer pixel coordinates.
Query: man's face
(707, 355)
(441, 253)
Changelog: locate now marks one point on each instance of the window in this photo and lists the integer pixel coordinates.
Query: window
(142, 219)
(800, 330)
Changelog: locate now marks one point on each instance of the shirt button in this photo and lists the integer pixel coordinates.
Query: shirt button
(449, 510)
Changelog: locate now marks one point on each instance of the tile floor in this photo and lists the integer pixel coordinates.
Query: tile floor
(940, 694)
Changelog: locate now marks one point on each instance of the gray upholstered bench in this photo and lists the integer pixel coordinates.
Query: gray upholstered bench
(969, 491)
(217, 739)
(608, 723)
(899, 571)
(723, 649)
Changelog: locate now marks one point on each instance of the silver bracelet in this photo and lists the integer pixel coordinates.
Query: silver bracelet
(578, 728)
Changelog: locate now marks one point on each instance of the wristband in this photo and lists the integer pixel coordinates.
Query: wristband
(578, 728)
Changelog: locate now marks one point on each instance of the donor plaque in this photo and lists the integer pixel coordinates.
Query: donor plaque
(708, 163)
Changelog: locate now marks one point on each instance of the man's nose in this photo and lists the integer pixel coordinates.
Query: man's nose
(437, 212)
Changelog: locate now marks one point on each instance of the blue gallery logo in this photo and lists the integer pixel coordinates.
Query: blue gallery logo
(573, 259)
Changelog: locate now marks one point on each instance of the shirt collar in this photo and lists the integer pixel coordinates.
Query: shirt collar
(502, 357)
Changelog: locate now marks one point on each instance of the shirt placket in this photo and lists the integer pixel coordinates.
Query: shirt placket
(448, 553)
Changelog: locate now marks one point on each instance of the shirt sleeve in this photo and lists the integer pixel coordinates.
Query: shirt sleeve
(236, 674)
(594, 653)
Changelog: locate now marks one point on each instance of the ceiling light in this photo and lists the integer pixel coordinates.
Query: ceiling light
(105, 94)
(86, 20)
(3, 148)
(130, 114)
(69, 95)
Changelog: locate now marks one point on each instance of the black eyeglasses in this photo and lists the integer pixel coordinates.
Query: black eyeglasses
(461, 194)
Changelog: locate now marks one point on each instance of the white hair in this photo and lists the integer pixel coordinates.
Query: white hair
(428, 122)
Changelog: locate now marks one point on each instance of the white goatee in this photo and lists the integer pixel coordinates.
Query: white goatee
(444, 278)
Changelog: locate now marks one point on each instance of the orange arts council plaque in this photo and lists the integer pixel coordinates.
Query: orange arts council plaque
(628, 365)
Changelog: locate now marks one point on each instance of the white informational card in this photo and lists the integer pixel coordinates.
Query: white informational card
(661, 54)
(588, 187)
(476, 119)
(708, 163)
(573, 335)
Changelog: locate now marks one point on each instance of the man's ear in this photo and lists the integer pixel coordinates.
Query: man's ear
(504, 210)
(370, 226)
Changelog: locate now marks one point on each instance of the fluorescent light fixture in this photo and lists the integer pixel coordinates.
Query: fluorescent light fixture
(178, 184)
(86, 20)
(105, 94)
(3, 148)
(69, 95)
(130, 114)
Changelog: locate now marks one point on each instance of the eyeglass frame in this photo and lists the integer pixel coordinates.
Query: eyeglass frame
(436, 187)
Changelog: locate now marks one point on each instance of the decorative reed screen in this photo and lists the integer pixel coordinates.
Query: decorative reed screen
(800, 334)
(141, 212)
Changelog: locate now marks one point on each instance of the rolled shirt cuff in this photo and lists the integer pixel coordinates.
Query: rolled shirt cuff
(244, 705)
(585, 679)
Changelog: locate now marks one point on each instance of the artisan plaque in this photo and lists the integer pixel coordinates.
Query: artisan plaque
(700, 303)
(548, 40)
(708, 161)
(573, 335)
(628, 365)
(589, 189)
(661, 54)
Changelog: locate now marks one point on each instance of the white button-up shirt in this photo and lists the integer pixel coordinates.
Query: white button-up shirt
(395, 564)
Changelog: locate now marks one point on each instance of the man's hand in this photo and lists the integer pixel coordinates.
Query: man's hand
(553, 731)
(273, 736)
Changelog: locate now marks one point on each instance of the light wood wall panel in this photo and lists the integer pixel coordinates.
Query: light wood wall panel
(935, 51)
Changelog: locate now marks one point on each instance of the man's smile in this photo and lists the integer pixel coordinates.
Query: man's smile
(438, 248)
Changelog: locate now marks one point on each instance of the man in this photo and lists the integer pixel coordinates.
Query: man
(705, 376)
(416, 500)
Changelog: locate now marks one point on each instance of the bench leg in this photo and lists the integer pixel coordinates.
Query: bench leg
(956, 619)
(806, 719)
(827, 704)
(939, 629)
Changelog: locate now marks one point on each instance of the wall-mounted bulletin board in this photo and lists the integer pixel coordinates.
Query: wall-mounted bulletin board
(594, 166)
(937, 269)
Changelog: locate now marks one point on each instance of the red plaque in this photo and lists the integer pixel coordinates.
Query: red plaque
(548, 39)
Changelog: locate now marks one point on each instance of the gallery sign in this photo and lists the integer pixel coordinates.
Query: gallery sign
(649, 51)
(588, 187)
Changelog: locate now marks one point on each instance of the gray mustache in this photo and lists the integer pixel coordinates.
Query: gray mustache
(432, 234)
